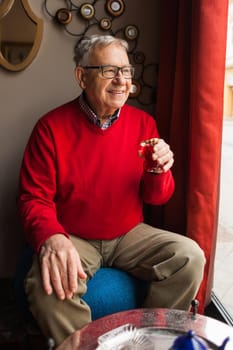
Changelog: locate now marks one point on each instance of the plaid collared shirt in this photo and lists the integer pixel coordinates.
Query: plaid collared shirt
(93, 117)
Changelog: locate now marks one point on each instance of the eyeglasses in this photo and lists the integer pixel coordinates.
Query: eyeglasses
(109, 72)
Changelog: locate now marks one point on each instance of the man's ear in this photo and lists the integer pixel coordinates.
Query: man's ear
(80, 76)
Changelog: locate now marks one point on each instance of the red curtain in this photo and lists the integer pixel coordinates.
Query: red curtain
(189, 114)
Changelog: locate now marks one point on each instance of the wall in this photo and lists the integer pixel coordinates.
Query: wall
(49, 81)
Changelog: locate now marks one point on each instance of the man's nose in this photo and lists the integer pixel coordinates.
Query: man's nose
(119, 75)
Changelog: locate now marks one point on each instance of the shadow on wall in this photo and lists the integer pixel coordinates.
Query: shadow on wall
(12, 234)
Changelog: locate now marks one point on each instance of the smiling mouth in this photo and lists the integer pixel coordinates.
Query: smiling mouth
(114, 92)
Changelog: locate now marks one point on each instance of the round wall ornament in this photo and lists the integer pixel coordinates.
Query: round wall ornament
(135, 88)
(105, 23)
(139, 57)
(87, 11)
(63, 16)
(131, 32)
(115, 7)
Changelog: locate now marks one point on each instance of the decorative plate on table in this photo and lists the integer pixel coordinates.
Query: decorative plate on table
(129, 337)
(124, 338)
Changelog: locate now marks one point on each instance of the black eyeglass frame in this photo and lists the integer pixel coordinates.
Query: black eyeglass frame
(117, 69)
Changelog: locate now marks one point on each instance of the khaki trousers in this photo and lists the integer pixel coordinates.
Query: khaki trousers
(173, 264)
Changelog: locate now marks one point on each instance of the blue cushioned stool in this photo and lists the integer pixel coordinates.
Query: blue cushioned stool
(109, 291)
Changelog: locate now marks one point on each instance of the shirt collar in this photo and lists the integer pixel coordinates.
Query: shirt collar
(93, 117)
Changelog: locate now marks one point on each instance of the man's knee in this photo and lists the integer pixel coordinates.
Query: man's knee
(194, 257)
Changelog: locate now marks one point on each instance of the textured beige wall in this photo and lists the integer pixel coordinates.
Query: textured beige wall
(48, 82)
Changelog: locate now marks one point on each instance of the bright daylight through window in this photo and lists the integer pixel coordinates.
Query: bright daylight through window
(223, 278)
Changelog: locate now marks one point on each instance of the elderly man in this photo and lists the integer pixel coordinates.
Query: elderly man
(83, 183)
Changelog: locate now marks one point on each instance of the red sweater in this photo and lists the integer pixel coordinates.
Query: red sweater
(78, 179)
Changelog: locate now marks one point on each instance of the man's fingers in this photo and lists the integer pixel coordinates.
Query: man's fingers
(46, 278)
(53, 273)
(57, 282)
(72, 274)
(45, 274)
(61, 267)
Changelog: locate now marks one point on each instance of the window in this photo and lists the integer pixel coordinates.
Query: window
(223, 272)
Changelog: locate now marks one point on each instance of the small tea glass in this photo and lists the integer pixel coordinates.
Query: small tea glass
(146, 149)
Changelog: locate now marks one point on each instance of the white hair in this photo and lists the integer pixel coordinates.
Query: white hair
(87, 44)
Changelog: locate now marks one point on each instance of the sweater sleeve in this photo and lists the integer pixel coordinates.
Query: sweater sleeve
(37, 188)
(157, 189)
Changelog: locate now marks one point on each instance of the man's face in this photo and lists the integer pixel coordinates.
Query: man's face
(105, 95)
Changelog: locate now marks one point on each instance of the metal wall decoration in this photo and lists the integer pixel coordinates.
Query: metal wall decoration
(144, 84)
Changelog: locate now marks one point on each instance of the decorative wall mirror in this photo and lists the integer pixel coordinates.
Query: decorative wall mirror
(20, 34)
